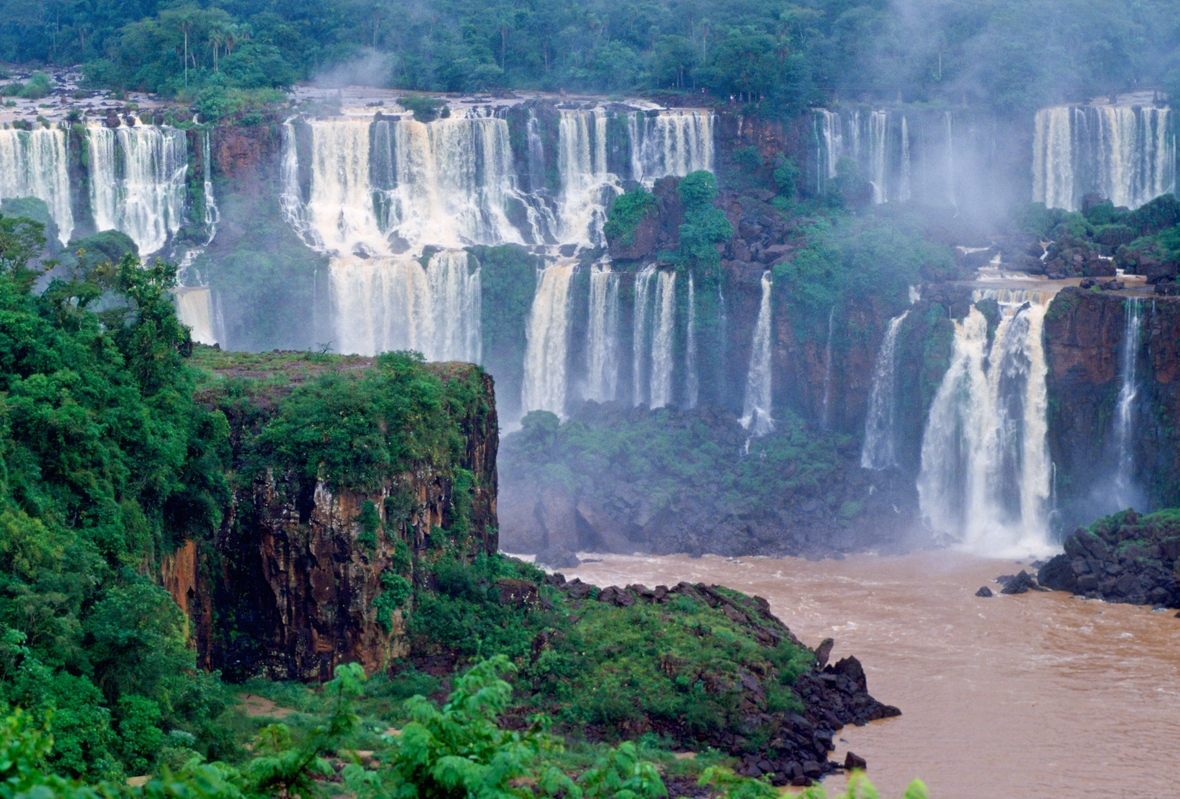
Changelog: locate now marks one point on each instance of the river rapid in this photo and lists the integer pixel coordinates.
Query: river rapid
(1037, 695)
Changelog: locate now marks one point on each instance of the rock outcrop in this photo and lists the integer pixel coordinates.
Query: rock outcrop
(290, 585)
(1123, 558)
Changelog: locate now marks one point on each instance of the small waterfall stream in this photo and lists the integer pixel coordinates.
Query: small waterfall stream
(826, 417)
(547, 348)
(985, 468)
(756, 410)
(137, 182)
(34, 163)
(602, 339)
(671, 143)
(663, 340)
(879, 450)
(1124, 416)
(641, 337)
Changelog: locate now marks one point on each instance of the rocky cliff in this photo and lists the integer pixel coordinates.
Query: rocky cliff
(304, 574)
(1085, 339)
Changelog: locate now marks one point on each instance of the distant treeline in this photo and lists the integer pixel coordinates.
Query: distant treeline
(1009, 54)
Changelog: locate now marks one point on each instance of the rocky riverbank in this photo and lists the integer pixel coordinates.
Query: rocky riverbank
(1127, 557)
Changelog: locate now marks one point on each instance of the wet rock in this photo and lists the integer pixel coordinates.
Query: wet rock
(984, 592)
(823, 652)
(557, 557)
(1020, 584)
(854, 761)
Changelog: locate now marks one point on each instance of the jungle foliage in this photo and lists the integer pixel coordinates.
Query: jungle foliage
(1010, 54)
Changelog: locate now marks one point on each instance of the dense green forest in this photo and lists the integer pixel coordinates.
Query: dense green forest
(1011, 54)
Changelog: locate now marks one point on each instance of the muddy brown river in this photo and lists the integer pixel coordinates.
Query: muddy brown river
(1036, 695)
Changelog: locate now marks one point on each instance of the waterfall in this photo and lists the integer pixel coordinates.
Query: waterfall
(194, 308)
(691, 378)
(670, 143)
(880, 441)
(33, 163)
(137, 182)
(547, 333)
(393, 303)
(1124, 417)
(985, 468)
(212, 214)
(640, 336)
(585, 182)
(832, 140)
(906, 187)
(1124, 153)
(756, 409)
(877, 133)
(602, 339)
(825, 420)
(447, 182)
(662, 340)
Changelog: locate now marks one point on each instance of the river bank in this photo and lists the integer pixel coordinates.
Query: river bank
(1038, 694)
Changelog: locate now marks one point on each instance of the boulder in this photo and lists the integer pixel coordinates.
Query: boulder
(984, 592)
(1020, 584)
(823, 652)
(556, 556)
(855, 761)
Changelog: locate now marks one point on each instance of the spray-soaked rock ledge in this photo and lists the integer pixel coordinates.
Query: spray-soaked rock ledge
(1123, 558)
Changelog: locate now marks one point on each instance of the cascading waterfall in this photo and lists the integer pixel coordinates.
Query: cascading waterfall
(212, 214)
(340, 210)
(1124, 153)
(670, 143)
(137, 182)
(445, 183)
(756, 409)
(640, 336)
(878, 122)
(34, 163)
(949, 124)
(829, 134)
(692, 384)
(602, 339)
(1124, 416)
(662, 340)
(985, 468)
(826, 419)
(391, 303)
(547, 333)
(585, 181)
(880, 440)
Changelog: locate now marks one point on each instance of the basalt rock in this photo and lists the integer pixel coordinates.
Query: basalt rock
(1125, 558)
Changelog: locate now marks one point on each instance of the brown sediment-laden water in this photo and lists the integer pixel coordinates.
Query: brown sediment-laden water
(1038, 694)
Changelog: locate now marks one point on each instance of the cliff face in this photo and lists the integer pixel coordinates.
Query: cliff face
(293, 582)
(1085, 339)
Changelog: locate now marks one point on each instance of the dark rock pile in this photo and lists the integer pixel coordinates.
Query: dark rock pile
(832, 695)
(1123, 558)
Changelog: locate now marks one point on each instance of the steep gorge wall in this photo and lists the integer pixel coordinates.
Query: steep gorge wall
(1085, 336)
(291, 585)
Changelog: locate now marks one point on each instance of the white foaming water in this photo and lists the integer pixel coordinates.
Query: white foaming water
(586, 183)
(640, 336)
(547, 334)
(602, 339)
(985, 473)
(878, 123)
(1124, 415)
(212, 214)
(391, 303)
(670, 143)
(756, 409)
(194, 308)
(137, 182)
(1124, 153)
(692, 384)
(880, 441)
(663, 334)
(34, 164)
(446, 183)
